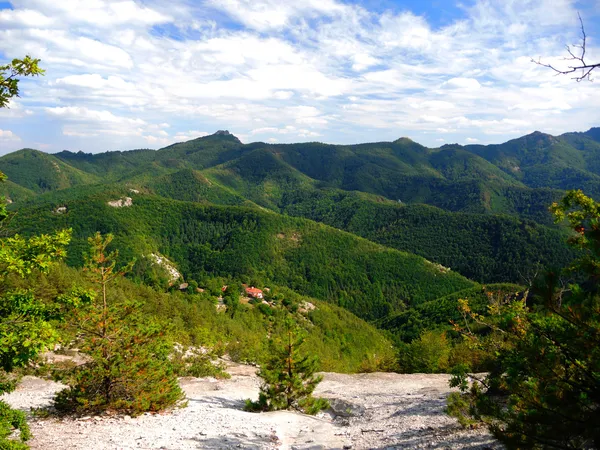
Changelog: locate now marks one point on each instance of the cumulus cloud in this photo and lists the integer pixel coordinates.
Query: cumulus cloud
(7, 135)
(326, 69)
(462, 83)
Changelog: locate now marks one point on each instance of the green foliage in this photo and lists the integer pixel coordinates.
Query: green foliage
(128, 367)
(39, 172)
(569, 161)
(10, 420)
(343, 342)
(370, 280)
(472, 184)
(482, 247)
(369, 190)
(543, 391)
(26, 327)
(428, 354)
(192, 185)
(198, 363)
(288, 375)
(442, 312)
(11, 73)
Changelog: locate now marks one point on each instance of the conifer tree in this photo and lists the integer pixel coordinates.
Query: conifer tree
(288, 376)
(129, 368)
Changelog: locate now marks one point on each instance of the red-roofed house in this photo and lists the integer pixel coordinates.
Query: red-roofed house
(254, 292)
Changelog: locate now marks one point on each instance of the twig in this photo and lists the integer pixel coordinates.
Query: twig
(585, 68)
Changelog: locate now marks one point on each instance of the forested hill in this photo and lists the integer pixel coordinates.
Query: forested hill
(254, 246)
(373, 190)
(390, 231)
(518, 177)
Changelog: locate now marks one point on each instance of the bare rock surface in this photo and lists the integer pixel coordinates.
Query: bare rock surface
(371, 411)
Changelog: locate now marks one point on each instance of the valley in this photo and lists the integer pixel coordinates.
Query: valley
(378, 229)
(385, 257)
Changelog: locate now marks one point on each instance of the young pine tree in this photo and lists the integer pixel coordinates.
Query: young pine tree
(288, 376)
(129, 368)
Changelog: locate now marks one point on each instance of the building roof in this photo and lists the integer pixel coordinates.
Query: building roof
(253, 291)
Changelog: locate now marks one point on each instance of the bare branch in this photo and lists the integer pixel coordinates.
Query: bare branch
(581, 65)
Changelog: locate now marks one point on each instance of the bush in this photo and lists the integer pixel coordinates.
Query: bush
(10, 420)
(428, 354)
(195, 363)
(543, 390)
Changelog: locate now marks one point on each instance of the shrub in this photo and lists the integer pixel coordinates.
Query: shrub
(195, 363)
(543, 390)
(428, 354)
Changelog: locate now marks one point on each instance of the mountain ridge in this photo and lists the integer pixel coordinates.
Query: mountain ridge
(377, 228)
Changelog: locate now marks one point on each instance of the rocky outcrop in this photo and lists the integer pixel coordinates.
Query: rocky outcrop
(121, 203)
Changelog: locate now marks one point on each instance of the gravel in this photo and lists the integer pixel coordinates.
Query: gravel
(371, 411)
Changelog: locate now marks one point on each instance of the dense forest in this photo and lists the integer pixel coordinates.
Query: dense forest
(218, 208)
(378, 255)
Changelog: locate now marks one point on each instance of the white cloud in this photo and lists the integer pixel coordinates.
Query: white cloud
(15, 110)
(24, 17)
(117, 69)
(267, 14)
(183, 136)
(462, 83)
(98, 13)
(283, 95)
(287, 130)
(7, 135)
(78, 114)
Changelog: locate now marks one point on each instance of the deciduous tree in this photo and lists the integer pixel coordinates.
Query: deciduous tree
(581, 67)
(544, 390)
(10, 75)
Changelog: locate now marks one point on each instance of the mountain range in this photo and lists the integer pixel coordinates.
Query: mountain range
(378, 228)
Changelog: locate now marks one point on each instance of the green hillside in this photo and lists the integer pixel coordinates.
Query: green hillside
(342, 341)
(191, 185)
(13, 192)
(40, 172)
(484, 248)
(114, 165)
(541, 160)
(392, 232)
(440, 313)
(256, 246)
(261, 176)
(374, 190)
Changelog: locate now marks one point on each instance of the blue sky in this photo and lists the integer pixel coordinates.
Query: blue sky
(123, 74)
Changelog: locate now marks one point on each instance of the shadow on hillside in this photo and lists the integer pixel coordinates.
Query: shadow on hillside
(236, 442)
(219, 402)
(419, 407)
(447, 436)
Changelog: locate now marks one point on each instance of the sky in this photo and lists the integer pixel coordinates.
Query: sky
(125, 74)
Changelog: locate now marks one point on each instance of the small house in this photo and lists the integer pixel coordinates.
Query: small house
(254, 292)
